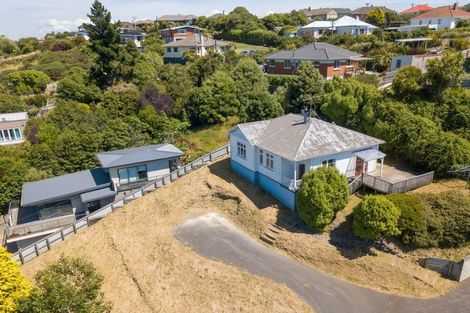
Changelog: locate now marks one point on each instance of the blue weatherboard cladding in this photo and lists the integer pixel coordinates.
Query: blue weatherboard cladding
(281, 193)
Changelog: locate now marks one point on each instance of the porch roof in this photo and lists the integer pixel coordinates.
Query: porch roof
(370, 154)
(97, 194)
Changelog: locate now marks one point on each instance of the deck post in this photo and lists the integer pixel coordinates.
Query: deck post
(381, 166)
(295, 175)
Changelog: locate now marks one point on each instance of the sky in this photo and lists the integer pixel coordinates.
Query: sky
(26, 18)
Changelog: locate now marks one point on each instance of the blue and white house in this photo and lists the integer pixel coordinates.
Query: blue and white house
(276, 153)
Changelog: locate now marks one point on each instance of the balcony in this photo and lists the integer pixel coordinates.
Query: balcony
(23, 221)
(290, 183)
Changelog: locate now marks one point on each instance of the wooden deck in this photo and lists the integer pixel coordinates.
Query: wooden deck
(393, 180)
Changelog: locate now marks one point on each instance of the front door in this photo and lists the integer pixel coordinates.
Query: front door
(301, 171)
(360, 166)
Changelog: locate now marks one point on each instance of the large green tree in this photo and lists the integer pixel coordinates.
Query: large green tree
(105, 40)
(407, 83)
(256, 103)
(306, 89)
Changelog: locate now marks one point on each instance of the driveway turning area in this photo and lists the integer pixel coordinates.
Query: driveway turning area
(214, 237)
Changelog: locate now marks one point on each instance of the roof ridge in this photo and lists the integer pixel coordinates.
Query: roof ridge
(303, 140)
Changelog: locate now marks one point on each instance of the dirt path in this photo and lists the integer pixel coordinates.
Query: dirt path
(214, 237)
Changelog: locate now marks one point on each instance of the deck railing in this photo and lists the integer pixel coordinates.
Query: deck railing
(406, 185)
(45, 244)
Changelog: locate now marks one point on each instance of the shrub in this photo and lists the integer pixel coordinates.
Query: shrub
(69, 285)
(412, 223)
(28, 82)
(447, 219)
(13, 285)
(323, 193)
(10, 103)
(375, 216)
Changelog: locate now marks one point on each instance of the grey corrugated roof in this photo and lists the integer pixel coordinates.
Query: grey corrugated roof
(138, 155)
(176, 17)
(97, 194)
(289, 137)
(319, 51)
(55, 188)
(195, 41)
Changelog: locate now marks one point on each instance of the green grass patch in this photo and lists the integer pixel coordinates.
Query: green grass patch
(239, 47)
(196, 143)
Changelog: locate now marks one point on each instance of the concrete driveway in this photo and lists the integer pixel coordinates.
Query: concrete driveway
(216, 238)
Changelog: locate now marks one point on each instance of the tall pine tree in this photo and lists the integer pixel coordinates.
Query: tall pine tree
(105, 40)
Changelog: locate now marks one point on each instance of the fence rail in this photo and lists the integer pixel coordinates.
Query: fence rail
(32, 251)
(355, 185)
(406, 185)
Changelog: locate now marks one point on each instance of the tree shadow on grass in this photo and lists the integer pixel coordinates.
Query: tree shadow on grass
(350, 246)
(260, 198)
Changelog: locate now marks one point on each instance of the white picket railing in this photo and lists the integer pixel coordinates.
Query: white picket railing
(30, 252)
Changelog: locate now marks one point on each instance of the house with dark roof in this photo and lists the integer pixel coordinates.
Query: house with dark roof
(199, 44)
(330, 60)
(177, 18)
(11, 128)
(362, 12)
(49, 204)
(439, 18)
(325, 13)
(179, 33)
(276, 153)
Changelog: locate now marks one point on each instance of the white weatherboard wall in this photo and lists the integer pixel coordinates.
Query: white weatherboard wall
(235, 137)
(439, 23)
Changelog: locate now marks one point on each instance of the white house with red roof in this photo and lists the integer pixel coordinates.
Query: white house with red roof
(440, 17)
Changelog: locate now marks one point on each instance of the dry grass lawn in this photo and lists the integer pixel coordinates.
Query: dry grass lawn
(146, 270)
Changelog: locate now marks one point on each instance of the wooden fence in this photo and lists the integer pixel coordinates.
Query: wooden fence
(30, 252)
(355, 185)
(406, 185)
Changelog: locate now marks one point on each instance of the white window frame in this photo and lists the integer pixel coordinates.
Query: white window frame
(261, 156)
(398, 65)
(272, 63)
(175, 49)
(287, 64)
(329, 163)
(6, 134)
(270, 161)
(241, 150)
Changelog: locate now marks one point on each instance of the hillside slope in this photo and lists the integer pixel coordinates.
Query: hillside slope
(147, 270)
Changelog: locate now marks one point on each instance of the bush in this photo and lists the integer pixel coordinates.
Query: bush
(323, 193)
(11, 104)
(14, 286)
(375, 216)
(28, 82)
(69, 285)
(412, 223)
(447, 219)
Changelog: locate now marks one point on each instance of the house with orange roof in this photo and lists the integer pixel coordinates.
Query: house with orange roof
(440, 17)
(417, 9)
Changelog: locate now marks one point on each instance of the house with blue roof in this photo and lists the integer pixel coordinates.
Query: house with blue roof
(49, 204)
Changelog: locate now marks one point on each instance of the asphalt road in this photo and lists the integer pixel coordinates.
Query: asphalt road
(216, 238)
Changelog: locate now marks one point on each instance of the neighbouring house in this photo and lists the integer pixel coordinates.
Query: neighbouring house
(11, 128)
(144, 24)
(361, 13)
(320, 14)
(439, 18)
(418, 61)
(330, 60)
(177, 18)
(179, 33)
(132, 35)
(49, 204)
(416, 9)
(344, 25)
(201, 45)
(126, 34)
(276, 153)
